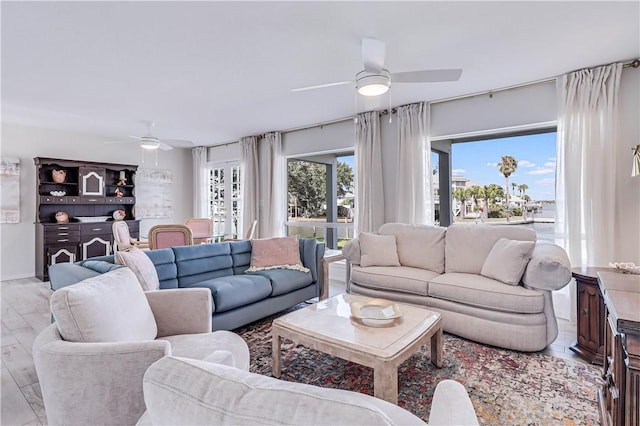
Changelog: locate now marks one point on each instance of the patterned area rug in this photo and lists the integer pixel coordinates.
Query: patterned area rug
(506, 387)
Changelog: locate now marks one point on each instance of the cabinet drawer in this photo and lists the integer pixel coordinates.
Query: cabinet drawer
(73, 237)
(63, 227)
(50, 199)
(121, 200)
(92, 200)
(96, 229)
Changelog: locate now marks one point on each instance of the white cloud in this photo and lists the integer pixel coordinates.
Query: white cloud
(459, 171)
(526, 163)
(541, 171)
(547, 181)
(492, 164)
(550, 164)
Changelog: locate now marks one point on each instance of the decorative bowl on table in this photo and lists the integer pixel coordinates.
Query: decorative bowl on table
(626, 267)
(375, 312)
(92, 218)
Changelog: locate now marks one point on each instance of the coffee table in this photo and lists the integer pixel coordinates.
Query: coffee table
(328, 327)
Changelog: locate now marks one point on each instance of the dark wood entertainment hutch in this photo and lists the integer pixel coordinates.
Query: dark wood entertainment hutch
(90, 191)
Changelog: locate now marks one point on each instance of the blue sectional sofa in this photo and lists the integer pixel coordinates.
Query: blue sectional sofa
(238, 297)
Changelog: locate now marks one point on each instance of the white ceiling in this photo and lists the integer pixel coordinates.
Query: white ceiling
(212, 72)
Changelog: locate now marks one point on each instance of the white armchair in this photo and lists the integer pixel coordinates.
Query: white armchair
(91, 362)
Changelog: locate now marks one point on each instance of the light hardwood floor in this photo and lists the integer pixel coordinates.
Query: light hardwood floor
(25, 312)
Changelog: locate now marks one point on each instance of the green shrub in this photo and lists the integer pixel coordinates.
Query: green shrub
(516, 211)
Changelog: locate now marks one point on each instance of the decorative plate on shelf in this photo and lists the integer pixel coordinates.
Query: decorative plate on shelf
(626, 267)
(375, 312)
(58, 193)
(92, 218)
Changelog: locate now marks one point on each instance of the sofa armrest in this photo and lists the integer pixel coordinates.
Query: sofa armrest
(181, 310)
(81, 382)
(548, 269)
(351, 251)
(451, 405)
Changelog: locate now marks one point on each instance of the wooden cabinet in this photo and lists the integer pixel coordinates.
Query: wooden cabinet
(619, 393)
(83, 190)
(590, 316)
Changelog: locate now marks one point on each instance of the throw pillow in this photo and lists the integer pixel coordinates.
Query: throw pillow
(109, 307)
(276, 253)
(378, 250)
(144, 269)
(507, 260)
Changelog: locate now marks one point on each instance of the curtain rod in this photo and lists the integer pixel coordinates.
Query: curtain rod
(633, 64)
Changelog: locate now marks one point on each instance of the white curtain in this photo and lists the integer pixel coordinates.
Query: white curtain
(586, 155)
(368, 159)
(271, 213)
(249, 181)
(413, 185)
(200, 182)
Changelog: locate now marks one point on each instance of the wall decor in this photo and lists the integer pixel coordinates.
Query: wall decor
(9, 190)
(153, 194)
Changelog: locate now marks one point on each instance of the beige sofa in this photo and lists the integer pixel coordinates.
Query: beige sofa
(491, 283)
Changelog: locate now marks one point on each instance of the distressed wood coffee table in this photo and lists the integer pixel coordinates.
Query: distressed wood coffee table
(328, 327)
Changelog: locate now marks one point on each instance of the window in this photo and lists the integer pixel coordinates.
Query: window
(321, 198)
(480, 192)
(225, 200)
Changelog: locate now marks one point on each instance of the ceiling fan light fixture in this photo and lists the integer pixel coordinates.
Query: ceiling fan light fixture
(149, 145)
(373, 83)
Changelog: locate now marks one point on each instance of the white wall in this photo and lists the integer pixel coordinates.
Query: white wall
(17, 241)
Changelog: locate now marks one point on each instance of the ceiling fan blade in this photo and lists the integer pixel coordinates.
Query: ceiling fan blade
(427, 76)
(321, 86)
(178, 143)
(373, 53)
(136, 137)
(165, 147)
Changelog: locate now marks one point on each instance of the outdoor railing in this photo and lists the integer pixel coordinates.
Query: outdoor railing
(318, 230)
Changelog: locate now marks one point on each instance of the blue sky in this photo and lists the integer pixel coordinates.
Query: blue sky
(536, 155)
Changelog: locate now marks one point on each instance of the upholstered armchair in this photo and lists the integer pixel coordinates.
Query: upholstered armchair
(122, 237)
(180, 391)
(201, 228)
(91, 361)
(165, 236)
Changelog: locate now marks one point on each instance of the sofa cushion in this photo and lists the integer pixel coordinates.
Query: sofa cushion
(285, 280)
(483, 292)
(185, 391)
(378, 250)
(276, 253)
(404, 278)
(507, 259)
(233, 291)
(419, 246)
(143, 268)
(203, 262)
(106, 308)
(467, 246)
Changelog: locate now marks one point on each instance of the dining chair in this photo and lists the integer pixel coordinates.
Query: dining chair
(164, 236)
(122, 237)
(202, 229)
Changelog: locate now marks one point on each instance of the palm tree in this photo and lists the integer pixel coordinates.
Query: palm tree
(513, 187)
(523, 188)
(491, 192)
(507, 167)
(461, 194)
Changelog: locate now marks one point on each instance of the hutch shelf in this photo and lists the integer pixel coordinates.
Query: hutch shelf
(87, 194)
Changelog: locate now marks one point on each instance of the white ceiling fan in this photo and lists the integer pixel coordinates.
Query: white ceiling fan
(150, 142)
(375, 80)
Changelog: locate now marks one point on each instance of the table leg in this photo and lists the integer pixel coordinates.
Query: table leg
(436, 348)
(275, 355)
(385, 383)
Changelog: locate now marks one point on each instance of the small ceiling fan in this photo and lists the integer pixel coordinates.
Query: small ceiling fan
(375, 80)
(150, 142)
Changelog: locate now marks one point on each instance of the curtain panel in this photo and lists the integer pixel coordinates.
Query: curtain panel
(200, 182)
(369, 184)
(414, 193)
(586, 155)
(249, 181)
(271, 213)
